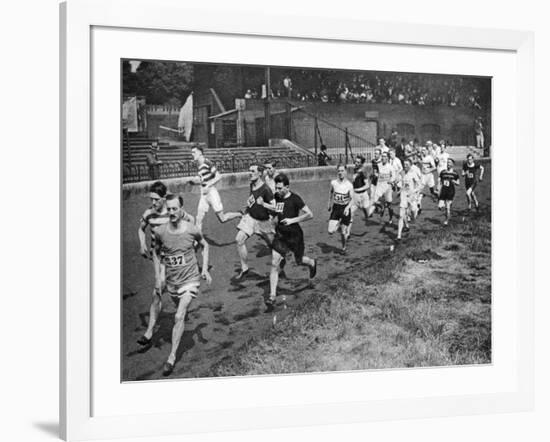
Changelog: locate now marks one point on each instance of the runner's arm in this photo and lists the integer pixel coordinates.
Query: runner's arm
(481, 172)
(330, 196)
(269, 206)
(142, 240)
(306, 215)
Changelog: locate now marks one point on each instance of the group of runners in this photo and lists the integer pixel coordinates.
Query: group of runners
(274, 213)
(408, 178)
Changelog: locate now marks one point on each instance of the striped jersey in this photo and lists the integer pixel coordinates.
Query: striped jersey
(155, 219)
(207, 171)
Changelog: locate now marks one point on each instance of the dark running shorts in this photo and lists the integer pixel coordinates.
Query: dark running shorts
(470, 184)
(337, 213)
(285, 242)
(446, 194)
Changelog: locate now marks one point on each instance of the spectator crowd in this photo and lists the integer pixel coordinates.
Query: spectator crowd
(330, 86)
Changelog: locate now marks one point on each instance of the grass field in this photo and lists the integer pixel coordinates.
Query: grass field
(426, 303)
(410, 308)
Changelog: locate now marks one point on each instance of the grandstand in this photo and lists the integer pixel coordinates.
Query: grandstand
(302, 109)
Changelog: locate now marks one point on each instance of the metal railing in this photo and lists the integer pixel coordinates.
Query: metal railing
(311, 131)
(136, 173)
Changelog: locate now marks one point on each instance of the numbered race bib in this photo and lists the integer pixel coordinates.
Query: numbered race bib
(251, 201)
(174, 260)
(470, 175)
(279, 208)
(446, 183)
(341, 198)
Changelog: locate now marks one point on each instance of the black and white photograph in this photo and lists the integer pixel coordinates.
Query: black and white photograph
(291, 220)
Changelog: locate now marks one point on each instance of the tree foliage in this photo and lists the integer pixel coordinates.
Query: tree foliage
(159, 82)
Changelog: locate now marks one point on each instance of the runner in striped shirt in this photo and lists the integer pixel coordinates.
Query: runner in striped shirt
(154, 216)
(208, 176)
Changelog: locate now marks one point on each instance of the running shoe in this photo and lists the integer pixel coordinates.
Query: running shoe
(313, 269)
(167, 368)
(269, 305)
(242, 275)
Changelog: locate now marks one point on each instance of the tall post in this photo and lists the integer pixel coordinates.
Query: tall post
(346, 143)
(267, 110)
(315, 130)
(288, 128)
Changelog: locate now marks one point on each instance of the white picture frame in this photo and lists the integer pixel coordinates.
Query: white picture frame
(78, 18)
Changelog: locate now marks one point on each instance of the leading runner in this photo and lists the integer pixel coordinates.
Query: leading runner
(175, 242)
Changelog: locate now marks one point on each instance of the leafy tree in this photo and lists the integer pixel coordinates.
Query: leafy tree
(164, 82)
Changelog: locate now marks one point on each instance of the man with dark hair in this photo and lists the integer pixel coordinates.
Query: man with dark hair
(175, 243)
(290, 210)
(470, 170)
(208, 176)
(256, 217)
(323, 157)
(448, 180)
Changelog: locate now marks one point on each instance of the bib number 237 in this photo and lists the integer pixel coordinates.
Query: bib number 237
(174, 260)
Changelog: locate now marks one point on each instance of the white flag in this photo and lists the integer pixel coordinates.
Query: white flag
(185, 119)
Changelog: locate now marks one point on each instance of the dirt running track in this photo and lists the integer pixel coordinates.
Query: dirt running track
(227, 314)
